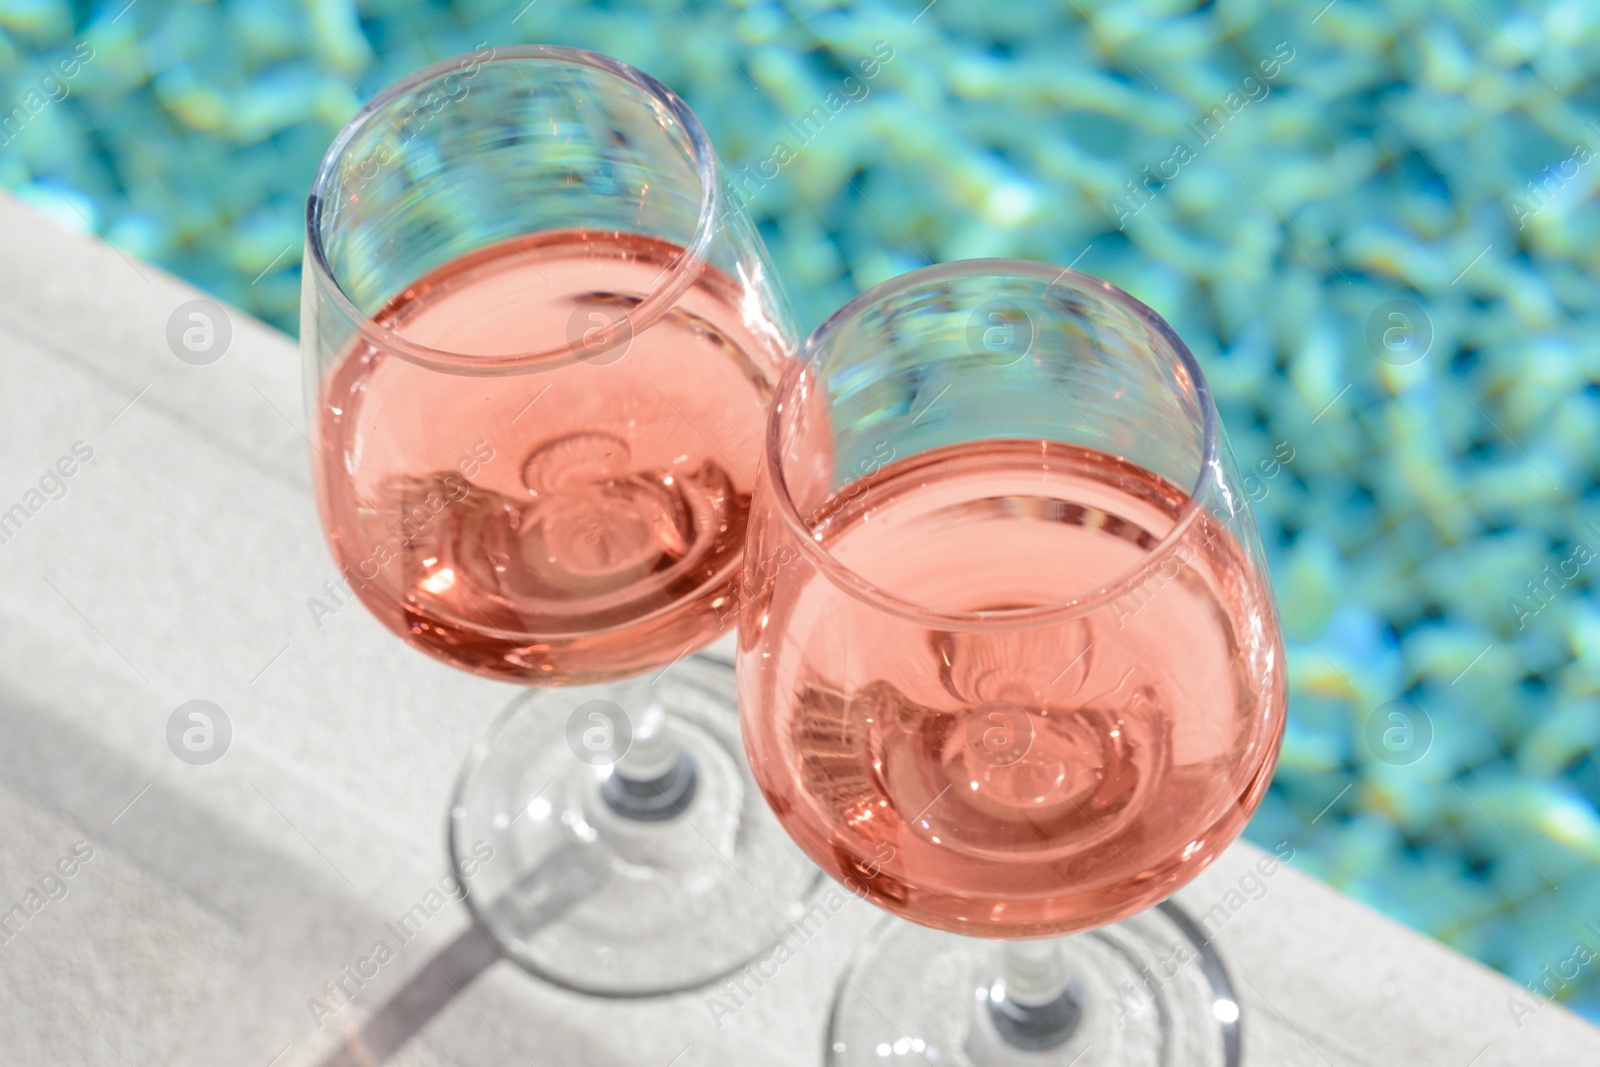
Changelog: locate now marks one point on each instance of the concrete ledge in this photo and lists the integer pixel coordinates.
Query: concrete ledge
(177, 564)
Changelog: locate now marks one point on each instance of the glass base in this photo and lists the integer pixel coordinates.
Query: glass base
(625, 886)
(1145, 992)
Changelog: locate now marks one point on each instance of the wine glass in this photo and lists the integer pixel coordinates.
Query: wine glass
(540, 337)
(1009, 665)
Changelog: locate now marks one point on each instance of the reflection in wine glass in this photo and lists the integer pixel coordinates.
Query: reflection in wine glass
(1018, 674)
(540, 341)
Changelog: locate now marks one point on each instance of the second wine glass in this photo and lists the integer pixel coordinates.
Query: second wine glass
(540, 341)
(1009, 665)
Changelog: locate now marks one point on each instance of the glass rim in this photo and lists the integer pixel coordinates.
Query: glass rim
(877, 597)
(673, 281)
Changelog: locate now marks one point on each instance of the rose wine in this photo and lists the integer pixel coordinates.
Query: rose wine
(1064, 761)
(577, 519)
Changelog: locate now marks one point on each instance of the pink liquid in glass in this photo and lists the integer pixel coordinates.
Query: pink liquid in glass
(1024, 779)
(576, 520)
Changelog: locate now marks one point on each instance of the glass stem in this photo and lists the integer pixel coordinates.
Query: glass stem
(655, 778)
(1033, 1000)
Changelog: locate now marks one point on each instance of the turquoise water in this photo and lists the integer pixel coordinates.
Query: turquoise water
(1374, 223)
